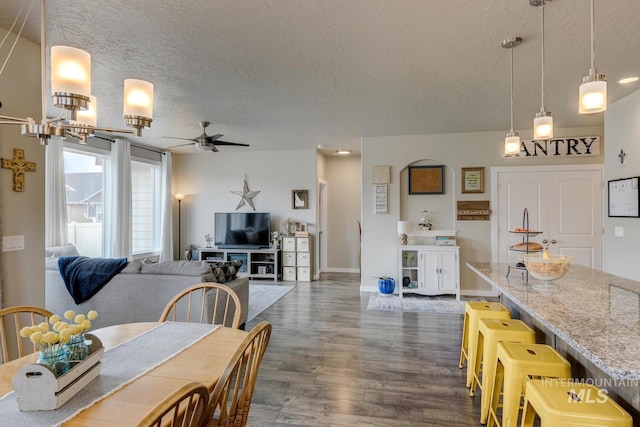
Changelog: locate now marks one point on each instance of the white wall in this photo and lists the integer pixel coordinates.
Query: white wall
(343, 236)
(22, 213)
(622, 130)
(379, 238)
(208, 179)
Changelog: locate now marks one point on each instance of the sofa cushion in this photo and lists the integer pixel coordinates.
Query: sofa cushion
(224, 272)
(65, 250)
(132, 268)
(180, 268)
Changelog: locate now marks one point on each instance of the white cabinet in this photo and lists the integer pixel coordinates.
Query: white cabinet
(429, 270)
(297, 258)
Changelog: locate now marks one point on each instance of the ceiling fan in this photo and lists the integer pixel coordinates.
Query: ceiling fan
(205, 142)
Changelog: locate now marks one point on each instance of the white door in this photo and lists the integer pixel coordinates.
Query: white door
(448, 272)
(563, 202)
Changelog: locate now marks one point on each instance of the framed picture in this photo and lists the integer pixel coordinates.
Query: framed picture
(624, 199)
(473, 180)
(299, 199)
(426, 179)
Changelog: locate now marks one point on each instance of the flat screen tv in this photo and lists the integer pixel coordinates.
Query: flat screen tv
(236, 230)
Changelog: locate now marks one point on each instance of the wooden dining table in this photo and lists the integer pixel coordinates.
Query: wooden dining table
(204, 361)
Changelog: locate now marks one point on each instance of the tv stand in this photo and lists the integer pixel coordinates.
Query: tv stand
(257, 264)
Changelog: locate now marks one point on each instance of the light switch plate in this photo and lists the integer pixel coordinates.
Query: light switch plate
(619, 231)
(12, 243)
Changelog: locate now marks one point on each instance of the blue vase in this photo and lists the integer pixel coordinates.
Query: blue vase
(55, 360)
(77, 348)
(386, 285)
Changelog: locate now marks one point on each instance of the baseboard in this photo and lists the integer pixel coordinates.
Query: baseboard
(469, 292)
(479, 292)
(341, 270)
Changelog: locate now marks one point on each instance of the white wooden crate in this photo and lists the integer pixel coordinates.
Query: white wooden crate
(38, 389)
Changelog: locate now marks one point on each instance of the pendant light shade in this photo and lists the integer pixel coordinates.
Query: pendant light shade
(512, 143)
(138, 104)
(512, 140)
(593, 94)
(593, 90)
(543, 122)
(543, 126)
(70, 78)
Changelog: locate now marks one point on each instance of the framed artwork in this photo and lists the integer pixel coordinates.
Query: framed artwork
(473, 180)
(624, 199)
(426, 179)
(299, 199)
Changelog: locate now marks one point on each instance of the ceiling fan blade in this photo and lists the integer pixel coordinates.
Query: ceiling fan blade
(181, 145)
(216, 136)
(231, 143)
(214, 149)
(184, 139)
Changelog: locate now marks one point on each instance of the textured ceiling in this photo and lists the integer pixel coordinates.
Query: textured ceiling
(284, 74)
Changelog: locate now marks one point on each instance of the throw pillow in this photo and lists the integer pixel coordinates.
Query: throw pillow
(224, 272)
(65, 250)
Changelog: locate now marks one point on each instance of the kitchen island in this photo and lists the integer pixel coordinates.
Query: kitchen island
(592, 318)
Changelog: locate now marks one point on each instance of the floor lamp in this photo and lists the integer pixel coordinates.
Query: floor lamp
(179, 197)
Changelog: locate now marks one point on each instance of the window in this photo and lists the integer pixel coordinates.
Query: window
(85, 182)
(145, 207)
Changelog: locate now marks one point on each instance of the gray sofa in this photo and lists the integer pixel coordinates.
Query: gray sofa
(138, 293)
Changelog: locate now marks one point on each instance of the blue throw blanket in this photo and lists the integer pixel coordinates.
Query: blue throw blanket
(85, 276)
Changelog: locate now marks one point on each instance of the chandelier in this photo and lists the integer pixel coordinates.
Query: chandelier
(71, 91)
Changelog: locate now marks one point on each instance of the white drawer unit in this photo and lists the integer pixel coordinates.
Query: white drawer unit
(304, 274)
(289, 259)
(297, 258)
(303, 259)
(289, 274)
(289, 244)
(302, 244)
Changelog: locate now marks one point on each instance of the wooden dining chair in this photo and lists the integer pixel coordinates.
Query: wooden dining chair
(185, 407)
(218, 305)
(12, 319)
(230, 400)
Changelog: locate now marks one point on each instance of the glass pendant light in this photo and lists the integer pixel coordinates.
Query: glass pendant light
(593, 90)
(512, 140)
(543, 122)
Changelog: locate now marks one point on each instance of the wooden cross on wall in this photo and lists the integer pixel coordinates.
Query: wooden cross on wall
(19, 166)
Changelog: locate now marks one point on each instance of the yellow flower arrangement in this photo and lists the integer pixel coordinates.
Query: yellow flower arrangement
(50, 340)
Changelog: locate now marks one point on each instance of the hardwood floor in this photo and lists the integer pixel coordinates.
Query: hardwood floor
(332, 362)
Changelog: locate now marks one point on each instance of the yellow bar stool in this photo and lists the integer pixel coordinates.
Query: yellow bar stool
(474, 311)
(490, 333)
(515, 362)
(561, 403)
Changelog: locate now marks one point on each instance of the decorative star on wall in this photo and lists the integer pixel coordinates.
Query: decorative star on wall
(246, 196)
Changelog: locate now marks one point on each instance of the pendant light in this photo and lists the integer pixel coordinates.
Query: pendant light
(593, 90)
(543, 122)
(512, 140)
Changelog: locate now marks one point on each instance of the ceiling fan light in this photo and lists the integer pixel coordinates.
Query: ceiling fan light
(593, 94)
(543, 126)
(512, 144)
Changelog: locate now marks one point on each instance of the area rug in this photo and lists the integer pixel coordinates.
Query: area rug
(420, 303)
(262, 297)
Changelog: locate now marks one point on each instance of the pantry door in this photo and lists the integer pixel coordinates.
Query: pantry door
(564, 203)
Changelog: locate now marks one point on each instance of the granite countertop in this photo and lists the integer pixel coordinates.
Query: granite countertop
(596, 313)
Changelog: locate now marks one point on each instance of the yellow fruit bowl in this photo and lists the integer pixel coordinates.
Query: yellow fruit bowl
(547, 267)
